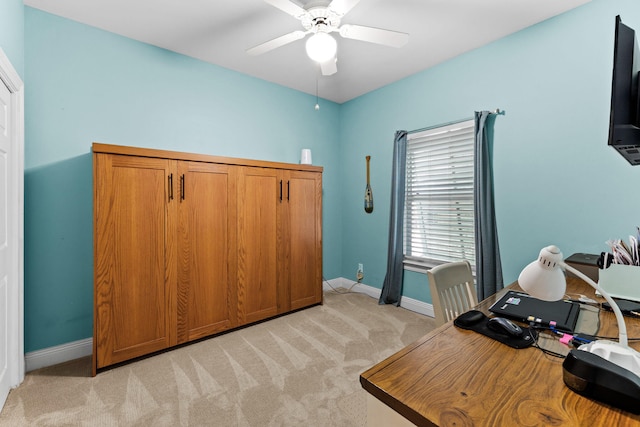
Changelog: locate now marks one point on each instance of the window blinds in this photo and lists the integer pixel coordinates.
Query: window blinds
(439, 205)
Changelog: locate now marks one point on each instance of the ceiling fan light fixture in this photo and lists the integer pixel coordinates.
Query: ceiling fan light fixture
(321, 47)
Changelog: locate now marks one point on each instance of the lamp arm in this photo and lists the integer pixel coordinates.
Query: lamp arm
(622, 327)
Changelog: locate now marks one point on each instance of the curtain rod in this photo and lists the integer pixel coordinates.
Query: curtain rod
(496, 111)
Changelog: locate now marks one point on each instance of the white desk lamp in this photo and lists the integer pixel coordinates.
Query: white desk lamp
(587, 374)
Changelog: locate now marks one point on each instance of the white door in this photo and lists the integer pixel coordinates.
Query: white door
(5, 249)
(11, 170)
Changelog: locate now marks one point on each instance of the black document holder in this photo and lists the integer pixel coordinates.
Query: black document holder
(520, 306)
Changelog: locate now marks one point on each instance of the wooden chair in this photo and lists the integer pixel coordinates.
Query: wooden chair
(452, 290)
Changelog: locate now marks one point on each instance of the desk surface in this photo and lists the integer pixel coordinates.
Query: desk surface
(458, 377)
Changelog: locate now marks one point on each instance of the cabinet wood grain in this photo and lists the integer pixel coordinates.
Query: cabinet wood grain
(302, 238)
(206, 250)
(132, 300)
(257, 244)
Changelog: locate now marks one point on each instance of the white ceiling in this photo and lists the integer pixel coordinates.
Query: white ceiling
(219, 32)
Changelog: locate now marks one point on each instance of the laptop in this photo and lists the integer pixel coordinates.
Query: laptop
(522, 306)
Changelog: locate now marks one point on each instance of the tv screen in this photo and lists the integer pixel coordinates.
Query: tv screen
(624, 122)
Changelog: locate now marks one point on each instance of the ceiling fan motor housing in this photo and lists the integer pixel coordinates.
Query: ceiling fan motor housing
(320, 19)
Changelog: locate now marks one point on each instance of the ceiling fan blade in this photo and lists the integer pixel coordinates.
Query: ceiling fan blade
(329, 67)
(276, 43)
(287, 7)
(374, 35)
(342, 7)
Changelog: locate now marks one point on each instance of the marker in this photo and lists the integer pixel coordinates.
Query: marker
(539, 321)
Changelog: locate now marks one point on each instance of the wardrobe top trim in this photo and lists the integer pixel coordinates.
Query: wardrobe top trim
(177, 155)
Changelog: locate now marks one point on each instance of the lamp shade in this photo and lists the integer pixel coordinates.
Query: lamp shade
(543, 278)
(321, 47)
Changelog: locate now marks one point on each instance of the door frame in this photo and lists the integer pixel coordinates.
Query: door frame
(16, 361)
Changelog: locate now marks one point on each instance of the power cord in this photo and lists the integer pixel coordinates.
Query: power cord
(576, 340)
(343, 291)
(534, 337)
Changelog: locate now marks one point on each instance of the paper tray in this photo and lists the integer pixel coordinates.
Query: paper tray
(621, 281)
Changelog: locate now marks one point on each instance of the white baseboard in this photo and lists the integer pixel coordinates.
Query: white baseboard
(405, 302)
(82, 348)
(58, 354)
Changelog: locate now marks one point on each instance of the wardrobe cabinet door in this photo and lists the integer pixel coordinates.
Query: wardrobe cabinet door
(302, 231)
(207, 301)
(259, 292)
(133, 293)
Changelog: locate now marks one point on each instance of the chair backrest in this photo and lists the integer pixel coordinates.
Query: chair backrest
(452, 290)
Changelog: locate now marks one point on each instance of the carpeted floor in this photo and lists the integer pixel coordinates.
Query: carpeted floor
(297, 370)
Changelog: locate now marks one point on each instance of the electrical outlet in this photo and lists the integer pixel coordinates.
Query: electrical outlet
(360, 272)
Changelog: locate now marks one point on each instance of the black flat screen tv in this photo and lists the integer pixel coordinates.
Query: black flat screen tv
(624, 121)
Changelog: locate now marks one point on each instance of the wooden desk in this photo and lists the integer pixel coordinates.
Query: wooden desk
(458, 377)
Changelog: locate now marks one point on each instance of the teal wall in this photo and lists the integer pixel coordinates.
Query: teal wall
(556, 180)
(12, 33)
(87, 85)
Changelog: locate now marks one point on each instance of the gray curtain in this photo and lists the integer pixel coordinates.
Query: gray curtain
(488, 265)
(392, 286)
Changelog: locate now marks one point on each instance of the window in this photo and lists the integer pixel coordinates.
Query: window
(439, 205)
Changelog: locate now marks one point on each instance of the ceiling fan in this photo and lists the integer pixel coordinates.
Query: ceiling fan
(320, 19)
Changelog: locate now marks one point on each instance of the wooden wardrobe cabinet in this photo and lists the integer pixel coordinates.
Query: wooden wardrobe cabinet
(187, 246)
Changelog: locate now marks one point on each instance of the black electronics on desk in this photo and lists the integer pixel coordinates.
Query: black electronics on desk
(563, 315)
(628, 308)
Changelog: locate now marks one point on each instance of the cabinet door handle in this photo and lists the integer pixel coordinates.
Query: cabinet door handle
(170, 187)
(182, 187)
(288, 191)
(280, 190)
